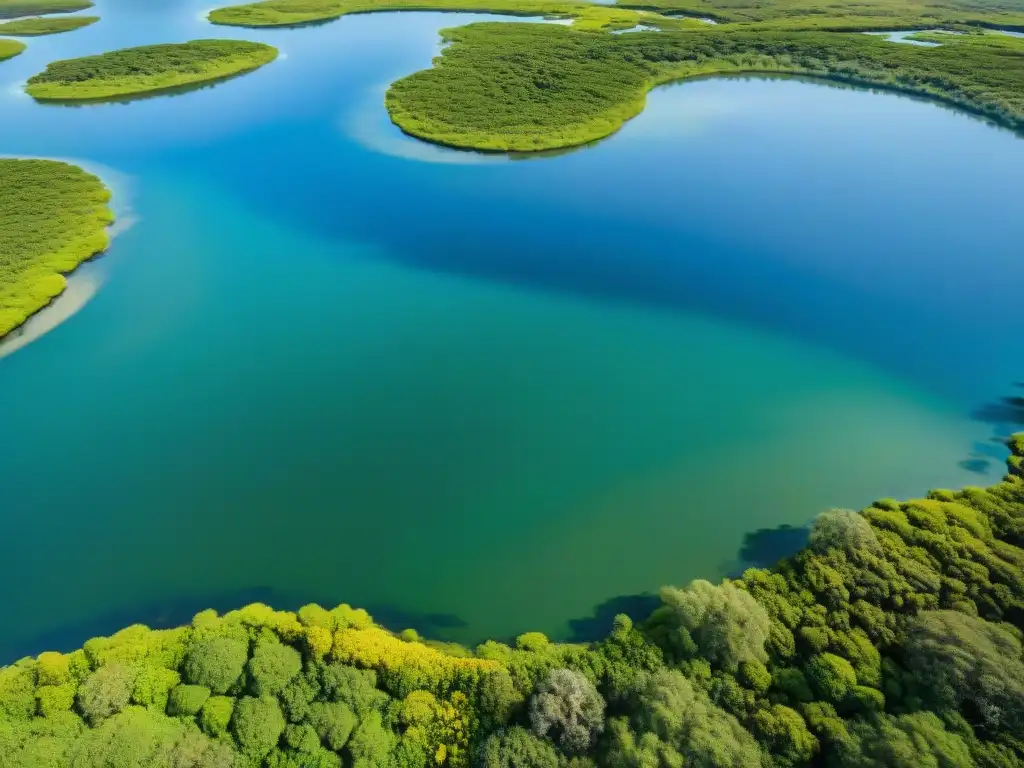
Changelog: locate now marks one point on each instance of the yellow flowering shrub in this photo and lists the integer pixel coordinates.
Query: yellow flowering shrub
(404, 667)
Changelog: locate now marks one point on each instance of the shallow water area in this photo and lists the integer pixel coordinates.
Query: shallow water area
(480, 395)
(902, 36)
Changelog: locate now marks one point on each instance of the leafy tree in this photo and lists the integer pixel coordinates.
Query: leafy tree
(152, 686)
(333, 723)
(831, 676)
(370, 743)
(683, 717)
(355, 687)
(497, 700)
(42, 742)
(959, 659)
(139, 738)
(216, 663)
(272, 667)
(785, 734)
(515, 748)
(569, 708)
(917, 740)
(105, 692)
(793, 685)
(626, 750)
(842, 529)
(257, 724)
(55, 698)
(187, 699)
(300, 693)
(725, 624)
(53, 668)
(215, 716)
(17, 692)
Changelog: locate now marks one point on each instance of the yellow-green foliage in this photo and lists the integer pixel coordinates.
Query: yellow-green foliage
(10, 48)
(37, 26)
(139, 644)
(280, 13)
(404, 667)
(147, 69)
(528, 87)
(55, 698)
(442, 728)
(12, 9)
(53, 668)
(215, 715)
(53, 216)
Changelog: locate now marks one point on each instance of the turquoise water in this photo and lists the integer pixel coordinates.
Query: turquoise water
(480, 395)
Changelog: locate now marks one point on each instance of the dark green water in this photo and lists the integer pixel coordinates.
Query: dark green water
(328, 362)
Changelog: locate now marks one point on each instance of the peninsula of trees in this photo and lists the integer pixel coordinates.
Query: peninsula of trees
(528, 87)
(36, 26)
(147, 69)
(894, 639)
(53, 216)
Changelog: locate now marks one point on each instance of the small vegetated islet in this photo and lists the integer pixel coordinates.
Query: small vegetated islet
(893, 639)
(53, 216)
(147, 69)
(13, 9)
(38, 26)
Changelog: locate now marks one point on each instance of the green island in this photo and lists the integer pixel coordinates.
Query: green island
(893, 639)
(528, 87)
(37, 26)
(53, 216)
(147, 69)
(12, 9)
(283, 13)
(10, 48)
(531, 87)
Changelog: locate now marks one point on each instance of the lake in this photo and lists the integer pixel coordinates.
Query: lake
(480, 395)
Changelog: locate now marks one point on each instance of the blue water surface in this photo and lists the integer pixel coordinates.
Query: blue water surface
(479, 394)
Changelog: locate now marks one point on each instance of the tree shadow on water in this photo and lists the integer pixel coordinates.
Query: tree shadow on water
(1005, 416)
(764, 547)
(178, 611)
(597, 626)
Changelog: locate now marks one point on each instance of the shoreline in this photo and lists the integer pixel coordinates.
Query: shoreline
(80, 287)
(1015, 125)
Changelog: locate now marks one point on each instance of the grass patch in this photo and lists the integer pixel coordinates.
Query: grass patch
(529, 87)
(10, 48)
(147, 69)
(53, 216)
(12, 9)
(282, 13)
(39, 26)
